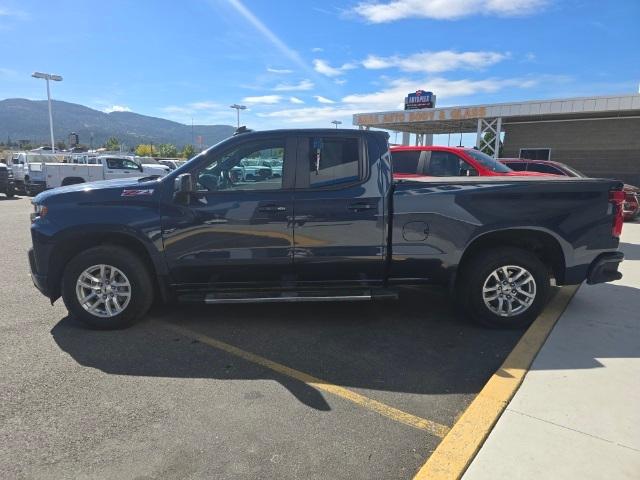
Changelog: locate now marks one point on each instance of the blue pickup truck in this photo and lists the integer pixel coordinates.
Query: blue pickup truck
(333, 226)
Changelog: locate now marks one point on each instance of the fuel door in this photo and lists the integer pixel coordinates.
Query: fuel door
(415, 231)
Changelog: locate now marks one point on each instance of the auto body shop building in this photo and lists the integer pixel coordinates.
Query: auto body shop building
(599, 136)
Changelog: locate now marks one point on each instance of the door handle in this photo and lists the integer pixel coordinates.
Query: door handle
(360, 207)
(272, 208)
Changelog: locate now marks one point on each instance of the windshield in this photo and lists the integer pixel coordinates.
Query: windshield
(487, 161)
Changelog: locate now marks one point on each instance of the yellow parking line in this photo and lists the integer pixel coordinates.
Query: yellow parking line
(368, 403)
(455, 453)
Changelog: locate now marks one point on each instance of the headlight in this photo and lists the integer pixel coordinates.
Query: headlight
(39, 211)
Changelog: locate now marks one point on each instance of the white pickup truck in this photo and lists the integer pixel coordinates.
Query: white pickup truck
(88, 168)
(20, 163)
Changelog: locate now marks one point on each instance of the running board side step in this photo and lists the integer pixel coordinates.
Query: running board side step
(293, 297)
(287, 299)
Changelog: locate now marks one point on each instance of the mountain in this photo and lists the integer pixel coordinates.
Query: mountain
(22, 119)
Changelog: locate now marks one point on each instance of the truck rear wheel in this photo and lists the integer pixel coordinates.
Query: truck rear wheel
(504, 288)
(107, 287)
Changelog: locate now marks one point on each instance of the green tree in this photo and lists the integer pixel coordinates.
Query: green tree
(112, 144)
(188, 151)
(143, 150)
(489, 138)
(61, 146)
(167, 150)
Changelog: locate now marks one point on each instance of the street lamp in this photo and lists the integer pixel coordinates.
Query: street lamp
(336, 123)
(55, 78)
(238, 108)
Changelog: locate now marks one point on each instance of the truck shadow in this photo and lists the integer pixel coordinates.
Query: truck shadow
(631, 250)
(414, 345)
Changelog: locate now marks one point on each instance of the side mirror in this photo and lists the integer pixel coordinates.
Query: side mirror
(183, 188)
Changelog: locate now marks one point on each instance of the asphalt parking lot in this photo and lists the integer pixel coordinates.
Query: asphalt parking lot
(363, 390)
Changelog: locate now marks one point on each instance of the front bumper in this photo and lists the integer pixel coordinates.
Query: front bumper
(36, 187)
(40, 281)
(605, 268)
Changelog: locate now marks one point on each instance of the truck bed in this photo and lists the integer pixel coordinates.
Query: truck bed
(435, 220)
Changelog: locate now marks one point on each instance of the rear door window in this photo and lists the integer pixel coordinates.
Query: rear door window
(405, 161)
(333, 161)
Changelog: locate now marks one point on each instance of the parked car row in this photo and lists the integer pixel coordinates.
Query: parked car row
(34, 173)
(6, 181)
(257, 169)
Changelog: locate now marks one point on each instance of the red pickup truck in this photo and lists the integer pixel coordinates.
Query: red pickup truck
(435, 161)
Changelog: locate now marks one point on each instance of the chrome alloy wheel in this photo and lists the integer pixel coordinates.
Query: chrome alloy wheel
(509, 291)
(103, 291)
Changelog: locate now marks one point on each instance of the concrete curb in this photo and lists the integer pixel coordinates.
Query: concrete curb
(457, 450)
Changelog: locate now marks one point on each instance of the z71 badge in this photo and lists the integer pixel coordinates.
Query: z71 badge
(137, 192)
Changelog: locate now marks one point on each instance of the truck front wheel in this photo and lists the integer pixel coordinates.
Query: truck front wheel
(504, 287)
(107, 287)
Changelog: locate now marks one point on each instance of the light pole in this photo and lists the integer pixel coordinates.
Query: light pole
(238, 108)
(336, 123)
(55, 78)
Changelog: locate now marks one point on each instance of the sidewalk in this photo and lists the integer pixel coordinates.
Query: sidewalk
(577, 413)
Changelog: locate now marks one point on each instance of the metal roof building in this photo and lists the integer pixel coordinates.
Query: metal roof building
(599, 134)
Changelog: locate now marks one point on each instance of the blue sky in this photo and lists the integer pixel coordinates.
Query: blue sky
(307, 62)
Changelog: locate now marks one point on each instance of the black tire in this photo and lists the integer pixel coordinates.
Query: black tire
(478, 270)
(138, 275)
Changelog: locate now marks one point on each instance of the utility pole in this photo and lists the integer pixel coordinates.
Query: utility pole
(55, 78)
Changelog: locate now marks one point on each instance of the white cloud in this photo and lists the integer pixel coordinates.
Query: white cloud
(18, 14)
(435, 62)
(183, 112)
(309, 115)
(8, 73)
(296, 87)
(296, 100)
(323, 99)
(263, 99)
(269, 35)
(279, 71)
(117, 108)
(392, 98)
(206, 105)
(390, 11)
(339, 81)
(323, 67)
(317, 50)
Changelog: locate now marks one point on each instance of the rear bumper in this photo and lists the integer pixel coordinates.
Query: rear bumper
(605, 268)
